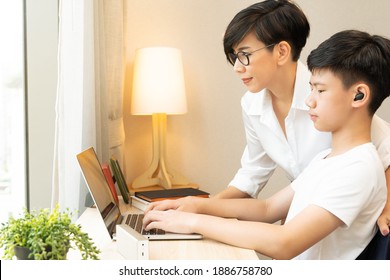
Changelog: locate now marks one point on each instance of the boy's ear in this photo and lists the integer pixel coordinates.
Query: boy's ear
(361, 95)
(283, 50)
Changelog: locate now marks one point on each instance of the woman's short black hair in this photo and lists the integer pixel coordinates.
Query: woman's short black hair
(272, 21)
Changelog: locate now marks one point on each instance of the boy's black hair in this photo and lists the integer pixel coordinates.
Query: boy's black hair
(272, 21)
(356, 56)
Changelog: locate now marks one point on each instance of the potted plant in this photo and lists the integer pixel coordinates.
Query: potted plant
(46, 235)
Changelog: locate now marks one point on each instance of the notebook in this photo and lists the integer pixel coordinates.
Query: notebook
(109, 211)
(151, 196)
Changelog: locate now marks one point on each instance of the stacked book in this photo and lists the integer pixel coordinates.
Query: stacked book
(114, 176)
(142, 199)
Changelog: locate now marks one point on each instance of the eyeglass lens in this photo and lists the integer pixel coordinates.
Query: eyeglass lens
(243, 57)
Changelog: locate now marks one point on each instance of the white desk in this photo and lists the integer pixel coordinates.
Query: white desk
(159, 250)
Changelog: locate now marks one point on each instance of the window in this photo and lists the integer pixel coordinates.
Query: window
(12, 110)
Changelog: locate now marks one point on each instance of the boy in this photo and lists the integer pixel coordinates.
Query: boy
(332, 207)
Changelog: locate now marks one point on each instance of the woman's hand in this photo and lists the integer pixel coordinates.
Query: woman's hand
(384, 220)
(186, 204)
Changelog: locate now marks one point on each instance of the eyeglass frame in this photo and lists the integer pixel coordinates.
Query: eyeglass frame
(246, 54)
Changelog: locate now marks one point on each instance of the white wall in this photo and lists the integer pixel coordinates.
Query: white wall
(206, 143)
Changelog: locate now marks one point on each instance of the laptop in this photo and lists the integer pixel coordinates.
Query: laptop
(109, 211)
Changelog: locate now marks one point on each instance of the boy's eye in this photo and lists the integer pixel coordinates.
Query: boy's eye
(316, 90)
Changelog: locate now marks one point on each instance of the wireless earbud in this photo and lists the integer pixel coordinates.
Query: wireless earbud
(358, 96)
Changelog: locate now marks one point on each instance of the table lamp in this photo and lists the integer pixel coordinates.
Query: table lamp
(158, 90)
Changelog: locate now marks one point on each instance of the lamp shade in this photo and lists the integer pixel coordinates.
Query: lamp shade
(158, 82)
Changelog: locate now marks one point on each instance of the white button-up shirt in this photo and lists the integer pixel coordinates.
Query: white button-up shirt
(267, 146)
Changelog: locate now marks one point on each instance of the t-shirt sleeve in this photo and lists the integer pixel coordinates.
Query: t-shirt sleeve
(345, 193)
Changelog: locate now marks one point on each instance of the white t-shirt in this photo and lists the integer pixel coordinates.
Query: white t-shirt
(351, 186)
(267, 147)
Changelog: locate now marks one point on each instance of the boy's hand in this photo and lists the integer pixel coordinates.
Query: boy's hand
(171, 221)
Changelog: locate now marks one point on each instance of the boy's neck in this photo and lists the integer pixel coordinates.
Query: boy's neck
(350, 137)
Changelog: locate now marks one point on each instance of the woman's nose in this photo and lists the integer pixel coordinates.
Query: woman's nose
(238, 67)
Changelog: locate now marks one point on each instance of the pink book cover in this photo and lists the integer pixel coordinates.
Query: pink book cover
(110, 181)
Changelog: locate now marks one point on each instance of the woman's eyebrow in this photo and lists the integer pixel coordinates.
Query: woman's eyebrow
(243, 48)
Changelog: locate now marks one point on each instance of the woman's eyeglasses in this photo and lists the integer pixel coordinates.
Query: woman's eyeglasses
(243, 57)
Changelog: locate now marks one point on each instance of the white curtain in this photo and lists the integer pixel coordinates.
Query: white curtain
(89, 92)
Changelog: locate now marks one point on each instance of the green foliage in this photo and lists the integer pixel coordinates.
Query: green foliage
(48, 235)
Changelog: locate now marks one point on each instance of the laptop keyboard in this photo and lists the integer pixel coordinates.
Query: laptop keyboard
(135, 222)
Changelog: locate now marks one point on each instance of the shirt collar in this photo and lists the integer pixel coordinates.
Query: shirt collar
(262, 100)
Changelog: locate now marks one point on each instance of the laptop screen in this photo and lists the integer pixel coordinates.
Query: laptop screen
(98, 186)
